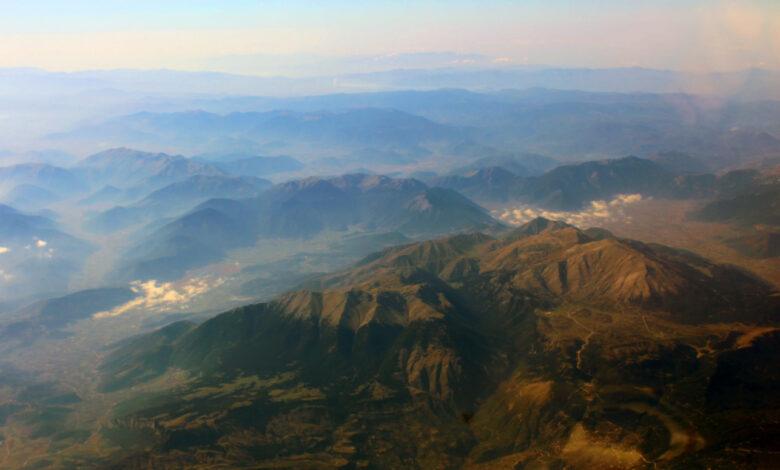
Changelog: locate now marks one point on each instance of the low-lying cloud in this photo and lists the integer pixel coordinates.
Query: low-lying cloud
(595, 214)
(163, 297)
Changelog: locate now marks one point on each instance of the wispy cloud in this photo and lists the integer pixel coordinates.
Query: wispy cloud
(596, 213)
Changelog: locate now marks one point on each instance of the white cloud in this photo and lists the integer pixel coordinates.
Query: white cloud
(595, 214)
(163, 297)
(40, 243)
(5, 276)
(4, 249)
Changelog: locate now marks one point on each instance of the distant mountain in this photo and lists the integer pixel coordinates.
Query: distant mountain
(106, 195)
(175, 199)
(197, 239)
(417, 71)
(538, 226)
(762, 244)
(569, 187)
(21, 228)
(464, 125)
(578, 125)
(207, 187)
(30, 196)
(50, 316)
(36, 257)
(198, 130)
(547, 347)
(124, 167)
(519, 164)
(738, 147)
(486, 184)
(757, 205)
(678, 162)
(52, 178)
(438, 211)
(708, 185)
(251, 165)
(302, 209)
(372, 157)
(56, 158)
(566, 187)
(305, 207)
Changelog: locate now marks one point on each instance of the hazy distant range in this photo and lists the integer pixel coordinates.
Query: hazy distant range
(35, 103)
(746, 84)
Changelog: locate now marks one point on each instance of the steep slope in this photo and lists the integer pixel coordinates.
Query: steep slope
(546, 347)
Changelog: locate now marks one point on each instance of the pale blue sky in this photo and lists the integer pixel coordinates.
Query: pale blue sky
(236, 35)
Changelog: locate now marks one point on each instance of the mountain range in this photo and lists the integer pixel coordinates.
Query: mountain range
(301, 209)
(571, 186)
(250, 132)
(414, 71)
(164, 305)
(549, 346)
(125, 167)
(566, 125)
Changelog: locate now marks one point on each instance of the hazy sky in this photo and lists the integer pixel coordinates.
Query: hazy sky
(269, 37)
